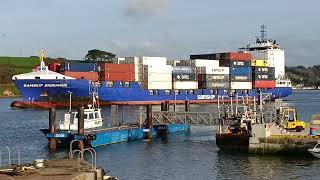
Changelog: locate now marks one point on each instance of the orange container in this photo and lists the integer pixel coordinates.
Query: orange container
(92, 76)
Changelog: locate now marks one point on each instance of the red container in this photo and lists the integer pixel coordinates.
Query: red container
(92, 76)
(54, 67)
(236, 56)
(264, 84)
(117, 68)
(117, 76)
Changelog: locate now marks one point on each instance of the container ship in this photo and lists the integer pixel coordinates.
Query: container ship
(204, 78)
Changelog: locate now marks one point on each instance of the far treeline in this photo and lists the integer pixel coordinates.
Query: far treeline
(305, 76)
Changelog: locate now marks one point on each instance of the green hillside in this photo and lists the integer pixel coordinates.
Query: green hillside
(18, 64)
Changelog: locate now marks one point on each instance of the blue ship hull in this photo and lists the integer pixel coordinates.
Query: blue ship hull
(58, 90)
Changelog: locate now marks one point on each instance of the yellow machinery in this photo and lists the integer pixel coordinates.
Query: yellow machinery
(290, 120)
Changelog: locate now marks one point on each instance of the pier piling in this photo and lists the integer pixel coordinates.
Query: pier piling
(52, 128)
(187, 106)
(81, 126)
(148, 124)
(166, 104)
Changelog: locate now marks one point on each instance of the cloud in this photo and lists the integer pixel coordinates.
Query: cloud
(144, 8)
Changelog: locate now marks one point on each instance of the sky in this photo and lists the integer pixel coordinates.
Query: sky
(171, 28)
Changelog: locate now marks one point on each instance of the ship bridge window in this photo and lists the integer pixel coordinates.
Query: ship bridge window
(85, 116)
(97, 115)
(91, 116)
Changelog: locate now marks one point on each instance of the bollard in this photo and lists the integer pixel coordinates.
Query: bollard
(148, 125)
(52, 128)
(187, 106)
(81, 127)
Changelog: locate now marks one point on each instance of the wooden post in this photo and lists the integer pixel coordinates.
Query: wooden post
(167, 105)
(52, 128)
(187, 106)
(163, 108)
(81, 126)
(114, 115)
(148, 125)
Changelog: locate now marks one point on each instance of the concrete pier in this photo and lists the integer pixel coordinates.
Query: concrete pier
(270, 139)
(55, 170)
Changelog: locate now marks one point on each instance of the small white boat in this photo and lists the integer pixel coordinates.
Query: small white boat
(92, 118)
(315, 151)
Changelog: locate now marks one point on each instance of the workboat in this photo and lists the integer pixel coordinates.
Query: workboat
(238, 132)
(92, 118)
(230, 74)
(315, 151)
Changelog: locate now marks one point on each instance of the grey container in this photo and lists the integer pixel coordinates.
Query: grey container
(184, 77)
(213, 85)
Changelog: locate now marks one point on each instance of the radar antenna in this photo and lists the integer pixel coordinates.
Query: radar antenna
(263, 33)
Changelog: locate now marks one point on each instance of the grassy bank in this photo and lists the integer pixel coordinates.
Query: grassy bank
(9, 90)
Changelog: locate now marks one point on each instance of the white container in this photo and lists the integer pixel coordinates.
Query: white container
(157, 77)
(185, 85)
(217, 70)
(204, 62)
(241, 85)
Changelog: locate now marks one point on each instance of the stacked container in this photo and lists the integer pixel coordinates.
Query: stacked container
(157, 77)
(55, 67)
(263, 77)
(140, 62)
(78, 70)
(117, 72)
(184, 77)
(214, 78)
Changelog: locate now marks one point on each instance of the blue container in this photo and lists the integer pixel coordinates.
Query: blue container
(238, 71)
(79, 67)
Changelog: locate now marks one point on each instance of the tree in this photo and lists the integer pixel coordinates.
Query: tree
(98, 55)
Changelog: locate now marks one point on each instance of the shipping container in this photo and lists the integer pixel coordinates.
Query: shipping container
(240, 85)
(184, 77)
(236, 56)
(240, 71)
(241, 78)
(185, 85)
(263, 76)
(218, 70)
(92, 76)
(213, 85)
(117, 76)
(79, 67)
(204, 63)
(224, 56)
(264, 84)
(213, 77)
(183, 69)
(157, 77)
(55, 67)
(270, 70)
(117, 68)
(260, 63)
(234, 63)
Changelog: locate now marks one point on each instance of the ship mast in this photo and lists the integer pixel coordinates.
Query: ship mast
(42, 64)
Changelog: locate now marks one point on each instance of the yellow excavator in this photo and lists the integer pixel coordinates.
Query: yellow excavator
(290, 120)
